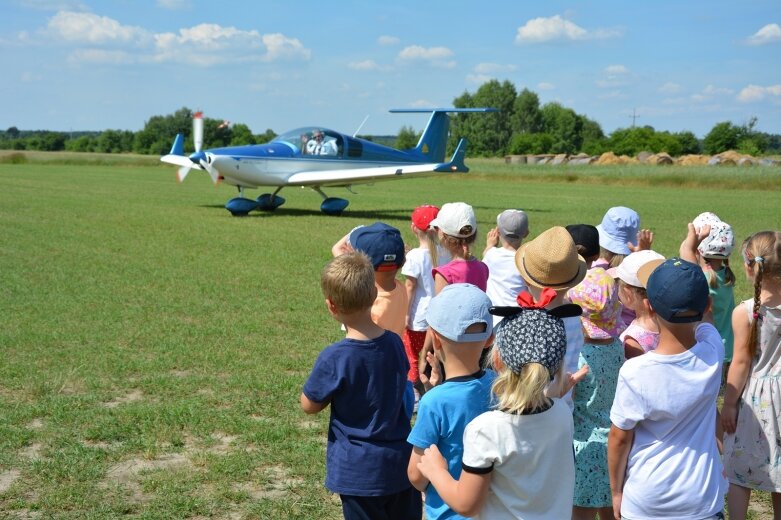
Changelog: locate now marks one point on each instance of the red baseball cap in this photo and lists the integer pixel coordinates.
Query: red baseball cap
(423, 215)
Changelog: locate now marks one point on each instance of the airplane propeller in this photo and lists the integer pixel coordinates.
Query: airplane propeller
(198, 157)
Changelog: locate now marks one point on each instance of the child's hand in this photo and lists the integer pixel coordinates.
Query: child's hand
(688, 249)
(436, 369)
(573, 379)
(492, 238)
(645, 239)
(729, 417)
(431, 461)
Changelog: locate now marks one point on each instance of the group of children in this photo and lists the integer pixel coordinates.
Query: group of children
(582, 340)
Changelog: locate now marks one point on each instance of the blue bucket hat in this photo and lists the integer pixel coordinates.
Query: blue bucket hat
(456, 308)
(619, 226)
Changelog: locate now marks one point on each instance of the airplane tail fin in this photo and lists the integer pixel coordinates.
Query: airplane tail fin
(178, 146)
(456, 163)
(433, 141)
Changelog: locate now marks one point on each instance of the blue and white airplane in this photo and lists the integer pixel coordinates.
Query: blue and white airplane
(317, 157)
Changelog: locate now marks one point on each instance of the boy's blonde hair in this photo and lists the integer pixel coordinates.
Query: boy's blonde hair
(762, 255)
(348, 282)
(459, 247)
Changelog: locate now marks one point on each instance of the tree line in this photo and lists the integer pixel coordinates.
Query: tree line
(521, 126)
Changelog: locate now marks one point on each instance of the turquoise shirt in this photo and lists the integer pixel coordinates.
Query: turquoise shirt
(723, 298)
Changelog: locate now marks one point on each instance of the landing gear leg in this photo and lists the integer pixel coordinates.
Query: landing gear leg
(270, 201)
(331, 205)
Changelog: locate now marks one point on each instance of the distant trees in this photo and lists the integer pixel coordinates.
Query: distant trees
(408, 138)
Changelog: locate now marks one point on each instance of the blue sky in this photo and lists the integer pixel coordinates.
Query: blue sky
(94, 65)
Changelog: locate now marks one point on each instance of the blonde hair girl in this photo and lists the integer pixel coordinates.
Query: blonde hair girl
(518, 457)
(752, 400)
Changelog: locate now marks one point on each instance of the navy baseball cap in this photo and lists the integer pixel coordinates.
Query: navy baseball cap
(457, 307)
(677, 289)
(381, 243)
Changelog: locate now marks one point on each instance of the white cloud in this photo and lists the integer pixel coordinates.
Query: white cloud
(436, 56)
(363, 65)
(545, 86)
(202, 45)
(556, 28)
(479, 79)
(93, 29)
(173, 5)
(54, 5)
(770, 33)
(388, 40)
(616, 70)
(279, 46)
(493, 68)
(710, 90)
(670, 88)
(754, 93)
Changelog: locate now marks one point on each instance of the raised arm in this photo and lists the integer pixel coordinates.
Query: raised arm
(688, 249)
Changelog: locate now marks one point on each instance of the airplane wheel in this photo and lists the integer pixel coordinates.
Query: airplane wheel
(269, 202)
(334, 206)
(240, 207)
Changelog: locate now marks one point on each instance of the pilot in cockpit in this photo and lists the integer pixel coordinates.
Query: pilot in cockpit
(318, 145)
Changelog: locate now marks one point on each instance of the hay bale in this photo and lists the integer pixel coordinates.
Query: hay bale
(693, 160)
(562, 158)
(625, 159)
(643, 156)
(746, 161)
(661, 158)
(608, 158)
(582, 159)
(515, 159)
(769, 162)
(731, 155)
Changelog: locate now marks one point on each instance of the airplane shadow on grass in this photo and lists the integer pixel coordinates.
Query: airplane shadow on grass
(401, 215)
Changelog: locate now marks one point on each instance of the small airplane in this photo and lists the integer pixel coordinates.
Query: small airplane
(317, 157)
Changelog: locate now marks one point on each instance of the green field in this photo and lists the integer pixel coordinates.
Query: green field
(154, 347)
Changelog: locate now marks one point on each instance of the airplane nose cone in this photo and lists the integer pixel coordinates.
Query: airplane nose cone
(197, 157)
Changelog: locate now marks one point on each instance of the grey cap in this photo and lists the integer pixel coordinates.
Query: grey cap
(513, 225)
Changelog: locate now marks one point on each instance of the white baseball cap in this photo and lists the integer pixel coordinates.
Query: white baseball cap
(627, 270)
(453, 217)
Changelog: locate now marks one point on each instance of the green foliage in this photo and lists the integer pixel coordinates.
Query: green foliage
(241, 134)
(688, 142)
(723, 136)
(526, 116)
(488, 134)
(265, 137)
(530, 143)
(408, 138)
(564, 126)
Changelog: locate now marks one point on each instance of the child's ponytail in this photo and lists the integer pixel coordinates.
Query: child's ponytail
(762, 254)
(752, 337)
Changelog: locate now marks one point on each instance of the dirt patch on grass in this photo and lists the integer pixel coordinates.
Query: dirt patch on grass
(7, 479)
(135, 395)
(32, 452)
(101, 445)
(35, 424)
(181, 373)
(223, 443)
(128, 474)
(278, 484)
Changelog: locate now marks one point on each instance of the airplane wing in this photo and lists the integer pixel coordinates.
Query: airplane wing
(354, 176)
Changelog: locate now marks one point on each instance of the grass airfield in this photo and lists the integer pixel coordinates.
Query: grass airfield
(153, 347)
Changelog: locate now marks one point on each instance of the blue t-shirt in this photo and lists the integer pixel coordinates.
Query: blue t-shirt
(365, 381)
(443, 413)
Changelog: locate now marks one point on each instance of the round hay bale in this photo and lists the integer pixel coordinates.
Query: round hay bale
(714, 161)
(608, 158)
(746, 161)
(693, 160)
(660, 158)
(561, 158)
(643, 156)
(769, 162)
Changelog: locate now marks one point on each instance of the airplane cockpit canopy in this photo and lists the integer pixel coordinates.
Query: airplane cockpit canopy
(305, 141)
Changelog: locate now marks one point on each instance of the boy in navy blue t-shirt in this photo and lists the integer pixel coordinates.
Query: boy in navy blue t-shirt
(364, 379)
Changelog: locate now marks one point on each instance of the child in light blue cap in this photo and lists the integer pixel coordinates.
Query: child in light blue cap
(462, 327)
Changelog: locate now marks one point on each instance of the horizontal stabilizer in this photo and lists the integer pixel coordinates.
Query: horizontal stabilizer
(450, 110)
(179, 160)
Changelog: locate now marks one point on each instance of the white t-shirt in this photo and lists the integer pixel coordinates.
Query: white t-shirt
(674, 469)
(504, 280)
(533, 475)
(574, 329)
(417, 264)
